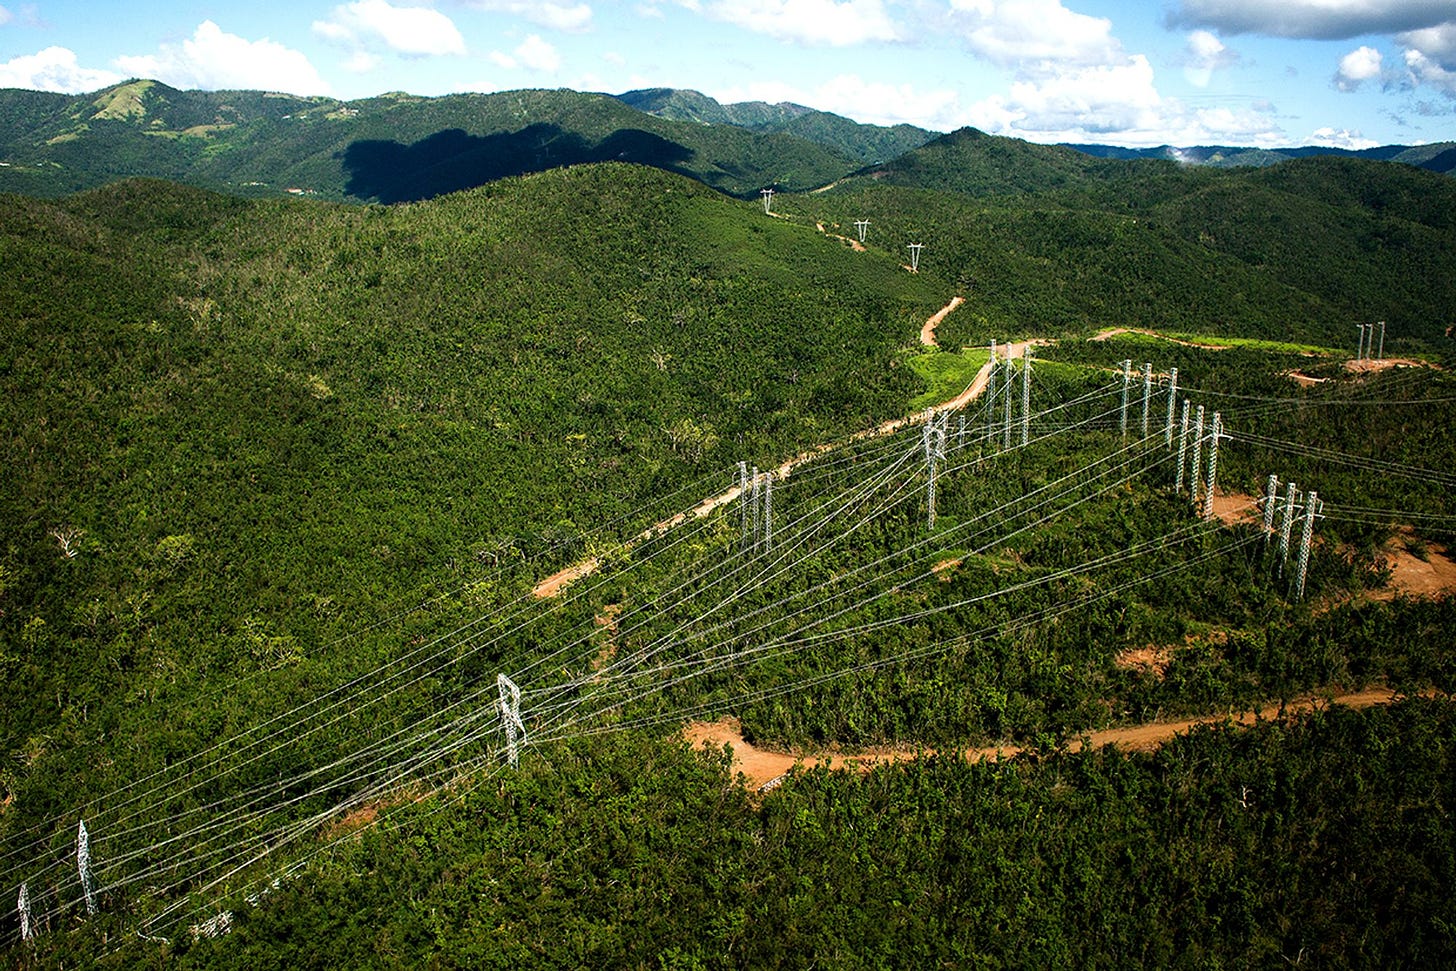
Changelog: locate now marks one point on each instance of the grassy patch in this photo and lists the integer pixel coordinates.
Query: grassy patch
(946, 372)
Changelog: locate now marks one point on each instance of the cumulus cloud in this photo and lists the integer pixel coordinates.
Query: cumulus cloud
(414, 31)
(1360, 65)
(1311, 19)
(54, 69)
(1341, 138)
(557, 16)
(213, 59)
(533, 54)
(1026, 32)
(835, 23)
(1205, 54)
(1117, 104)
(866, 101)
(1430, 56)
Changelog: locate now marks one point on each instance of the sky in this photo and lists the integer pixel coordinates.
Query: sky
(1345, 73)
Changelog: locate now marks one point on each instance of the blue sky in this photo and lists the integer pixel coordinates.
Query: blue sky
(1351, 73)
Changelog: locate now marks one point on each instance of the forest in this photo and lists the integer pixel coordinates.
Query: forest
(285, 479)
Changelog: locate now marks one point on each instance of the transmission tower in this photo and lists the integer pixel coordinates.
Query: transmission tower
(1126, 384)
(1026, 396)
(862, 225)
(1182, 449)
(767, 200)
(83, 867)
(757, 500)
(22, 907)
(1271, 501)
(510, 709)
(743, 497)
(1195, 473)
(1147, 395)
(915, 249)
(1311, 510)
(991, 397)
(768, 512)
(1360, 347)
(1213, 438)
(934, 440)
(1286, 526)
(1380, 353)
(1172, 399)
(1008, 386)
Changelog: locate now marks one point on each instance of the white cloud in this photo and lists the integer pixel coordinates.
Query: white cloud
(1430, 56)
(1205, 54)
(1312, 19)
(1360, 65)
(5, 16)
(533, 53)
(1029, 32)
(869, 102)
(417, 31)
(361, 62)
(54, 69)
(557, 16)
(1116, 104)
(1340, 138)
(1429, 70)
(836, 23)
(213, 59)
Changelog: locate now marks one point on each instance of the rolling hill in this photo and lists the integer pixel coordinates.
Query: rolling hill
(285, 475)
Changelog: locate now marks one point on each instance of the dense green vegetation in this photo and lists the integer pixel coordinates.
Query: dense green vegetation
(283, 474)
(866, 143)
(1044, 241)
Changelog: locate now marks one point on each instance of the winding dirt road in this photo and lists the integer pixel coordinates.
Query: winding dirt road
(762, 766)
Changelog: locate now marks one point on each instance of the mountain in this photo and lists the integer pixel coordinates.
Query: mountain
(387, 149)
(867, 143)
(1436, 156)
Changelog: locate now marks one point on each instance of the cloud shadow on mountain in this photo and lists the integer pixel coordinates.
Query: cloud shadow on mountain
(450, 160)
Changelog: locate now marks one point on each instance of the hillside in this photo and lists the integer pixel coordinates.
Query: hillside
(286, 477)
(389, 149)
(1050, 238)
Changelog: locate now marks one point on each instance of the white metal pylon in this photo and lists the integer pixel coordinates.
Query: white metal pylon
(915, 249)
(1026, 395)
(1182, 449)
(861, 225)
(83, 867)
(1172, 400)
(1271, 502)
(767, 199)
(22, 907)
(1286, 526)
(1311, 509)
(1195, 474)
(1147, 374)
(510, 709)
(1126, 384)
(1213, 438)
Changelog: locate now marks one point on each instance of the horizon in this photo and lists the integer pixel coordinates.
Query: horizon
(1346, 74)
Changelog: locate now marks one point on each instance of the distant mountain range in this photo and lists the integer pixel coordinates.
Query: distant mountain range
(1437, 156)
(399, 147)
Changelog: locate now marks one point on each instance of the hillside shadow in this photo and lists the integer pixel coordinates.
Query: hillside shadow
(451, 160)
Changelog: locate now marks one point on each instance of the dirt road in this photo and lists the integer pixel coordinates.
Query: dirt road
(762, 766)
